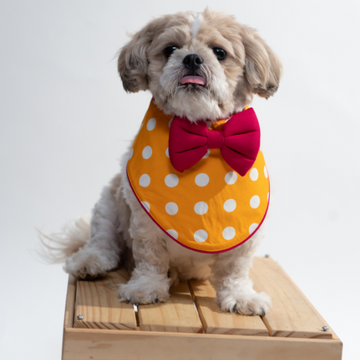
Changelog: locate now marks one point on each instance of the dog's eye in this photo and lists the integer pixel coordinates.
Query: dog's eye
(219, 53)
(169, 50)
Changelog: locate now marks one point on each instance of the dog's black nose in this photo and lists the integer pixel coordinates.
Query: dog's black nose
(192, 61)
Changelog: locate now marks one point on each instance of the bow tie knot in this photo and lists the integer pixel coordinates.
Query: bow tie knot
(238, 141)
(215, 139)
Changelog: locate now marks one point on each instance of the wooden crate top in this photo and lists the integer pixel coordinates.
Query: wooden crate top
(292, 315)
(192, 308)
(98, 304)
(176, 315)
(217, 322)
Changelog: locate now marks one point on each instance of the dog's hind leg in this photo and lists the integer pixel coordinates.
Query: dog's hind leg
(102, 252)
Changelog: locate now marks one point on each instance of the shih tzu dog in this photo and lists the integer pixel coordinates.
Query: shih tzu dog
(193, 188)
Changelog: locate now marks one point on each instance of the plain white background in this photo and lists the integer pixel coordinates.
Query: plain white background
(65, 121)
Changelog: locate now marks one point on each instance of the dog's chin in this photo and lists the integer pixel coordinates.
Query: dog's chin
(195, 102)
(194, 90)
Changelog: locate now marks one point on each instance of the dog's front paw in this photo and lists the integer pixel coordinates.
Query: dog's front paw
(145, 290)
(245, 303)
(90, 263)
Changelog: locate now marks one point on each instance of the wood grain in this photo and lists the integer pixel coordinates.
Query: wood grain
(98, 302)
(217, 322)
(176, 315)
(85, 344)
(102, 344)
(291, 315)
(70, 303)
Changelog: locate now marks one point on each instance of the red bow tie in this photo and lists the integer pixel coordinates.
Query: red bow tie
(239, 141)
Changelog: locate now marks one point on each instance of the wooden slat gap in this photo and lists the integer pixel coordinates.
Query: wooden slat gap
(195, 305)
(98, 302)
(178, 314)
(216, 321)
(136, 310)
(292, 315)
(267, 325)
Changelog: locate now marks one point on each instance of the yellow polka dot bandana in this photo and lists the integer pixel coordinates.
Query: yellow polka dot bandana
(208, 208)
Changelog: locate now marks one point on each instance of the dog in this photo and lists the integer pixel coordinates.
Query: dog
(201, 67)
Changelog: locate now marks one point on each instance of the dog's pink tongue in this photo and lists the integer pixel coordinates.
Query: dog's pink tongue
(193, 80)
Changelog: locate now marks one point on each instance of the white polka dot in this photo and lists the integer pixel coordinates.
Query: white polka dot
(230, 205)
(253, 227)
(151, 124)
(228, 233)
(201, 208)
(170, 122)
(231, 177)
(131, 153)
(171, 180)
(172, 233)
(255, 202)
(254, 174)
(171, 208)
(265, 172)
(144, 180)
(146, 205)
(147, 152)
(167, 152)
(200, 236)
(207, 154)
(202, 180)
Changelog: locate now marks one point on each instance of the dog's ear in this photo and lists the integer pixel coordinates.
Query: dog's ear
(262, 67)
(133, 62)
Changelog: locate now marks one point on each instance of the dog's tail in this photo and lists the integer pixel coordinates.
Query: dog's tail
(57, 247)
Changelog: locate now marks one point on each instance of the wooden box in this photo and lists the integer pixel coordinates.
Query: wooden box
(190, 326)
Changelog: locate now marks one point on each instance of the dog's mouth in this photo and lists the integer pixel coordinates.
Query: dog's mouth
(193, 79)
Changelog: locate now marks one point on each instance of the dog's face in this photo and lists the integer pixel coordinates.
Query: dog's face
(202, 66)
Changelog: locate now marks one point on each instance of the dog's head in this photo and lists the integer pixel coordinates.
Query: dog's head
(202, 66)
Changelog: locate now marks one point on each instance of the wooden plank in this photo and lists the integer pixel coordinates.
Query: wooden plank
(85, 344)
(291, 315)
(217, 322)
(331, 330)
(97, 301)
(69, 308)
(177, 315)
(70, 303)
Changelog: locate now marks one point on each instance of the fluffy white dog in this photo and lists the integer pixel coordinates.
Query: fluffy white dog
(202, 66)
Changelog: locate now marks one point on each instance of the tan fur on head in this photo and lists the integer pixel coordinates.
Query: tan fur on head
(250, 67)
(262, 66)
(133, 58)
